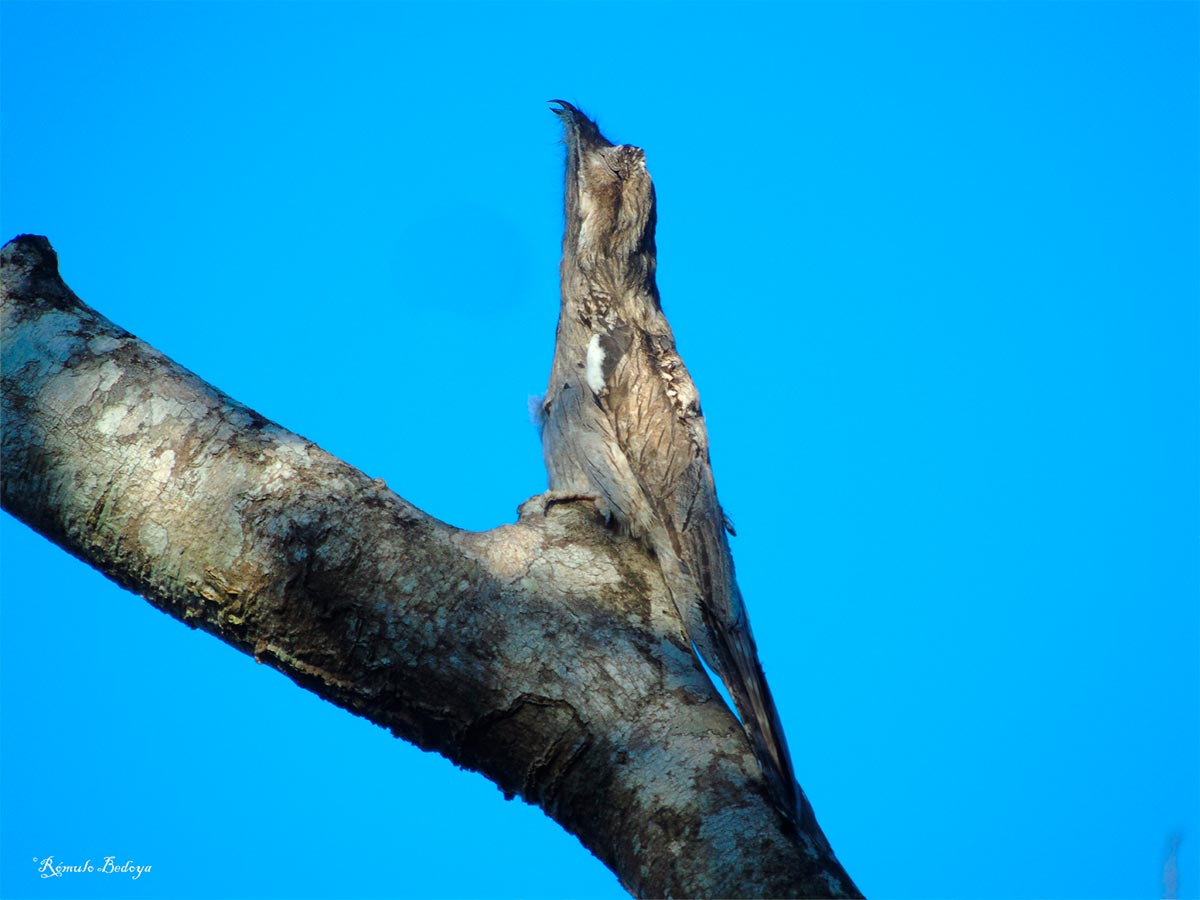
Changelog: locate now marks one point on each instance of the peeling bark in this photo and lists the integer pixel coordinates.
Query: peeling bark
(545, 654)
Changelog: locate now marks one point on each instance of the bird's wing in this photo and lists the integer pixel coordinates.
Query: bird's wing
(654, 412)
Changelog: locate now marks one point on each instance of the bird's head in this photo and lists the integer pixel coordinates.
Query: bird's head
(609, 194)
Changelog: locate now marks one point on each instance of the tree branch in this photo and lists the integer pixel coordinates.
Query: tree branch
(544, 654)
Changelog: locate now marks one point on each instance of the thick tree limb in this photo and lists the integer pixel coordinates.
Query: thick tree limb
(544, 654)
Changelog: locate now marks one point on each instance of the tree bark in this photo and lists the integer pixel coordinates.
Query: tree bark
(545, 654)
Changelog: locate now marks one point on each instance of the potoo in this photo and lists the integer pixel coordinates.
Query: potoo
(622, 423)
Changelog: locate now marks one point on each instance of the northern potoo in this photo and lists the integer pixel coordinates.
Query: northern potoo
(622, 422)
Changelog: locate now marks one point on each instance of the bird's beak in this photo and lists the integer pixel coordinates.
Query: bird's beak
(582, 132)
(567, 113)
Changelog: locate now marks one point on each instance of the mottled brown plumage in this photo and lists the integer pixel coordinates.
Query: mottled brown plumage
(623, 423)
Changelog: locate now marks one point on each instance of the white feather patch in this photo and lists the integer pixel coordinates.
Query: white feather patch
(595, 365)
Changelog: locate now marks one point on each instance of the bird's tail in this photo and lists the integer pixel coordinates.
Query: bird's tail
(718, 626)
(734, 657)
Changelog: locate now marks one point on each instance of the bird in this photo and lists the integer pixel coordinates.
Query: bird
(622, 425)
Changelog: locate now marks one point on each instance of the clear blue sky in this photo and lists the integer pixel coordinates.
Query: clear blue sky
(934, 269)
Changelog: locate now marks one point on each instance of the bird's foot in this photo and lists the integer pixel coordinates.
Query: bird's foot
(540, 504)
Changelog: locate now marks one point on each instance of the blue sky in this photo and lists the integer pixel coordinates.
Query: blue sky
(933, 267)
